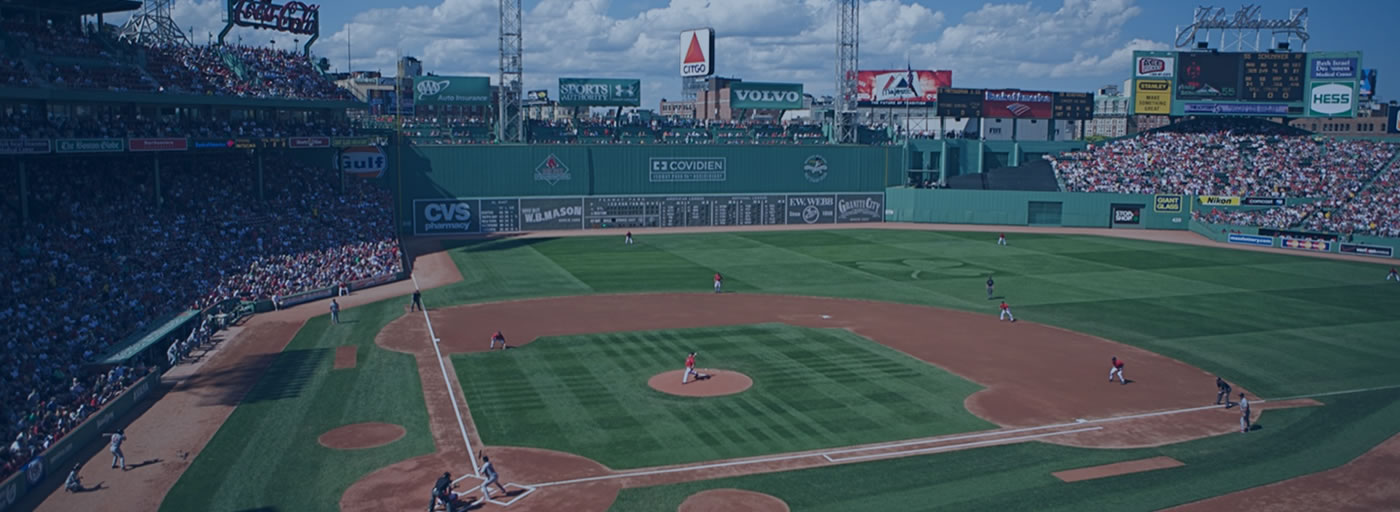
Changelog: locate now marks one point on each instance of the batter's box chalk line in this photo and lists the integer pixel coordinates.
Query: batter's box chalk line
(513, 499)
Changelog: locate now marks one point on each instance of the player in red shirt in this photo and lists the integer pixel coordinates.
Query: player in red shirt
(1001, 239)
(689, 368)
(718, 280)
(628, 240)
(498, 338)
(1006, 312)
(1117, 369)
(1393, 275)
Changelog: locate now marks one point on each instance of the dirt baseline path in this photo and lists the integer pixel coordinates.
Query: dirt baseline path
(1042, 382)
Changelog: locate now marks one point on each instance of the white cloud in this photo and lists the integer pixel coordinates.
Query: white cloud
(995, 44)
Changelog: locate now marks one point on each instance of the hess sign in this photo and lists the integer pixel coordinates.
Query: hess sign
(293, 17)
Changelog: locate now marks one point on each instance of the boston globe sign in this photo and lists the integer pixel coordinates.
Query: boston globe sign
(452, 90)
(761, 95)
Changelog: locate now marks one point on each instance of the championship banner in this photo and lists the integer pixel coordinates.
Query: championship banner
(1166, 203)
(1368, 250)
(25, 146)
(600, 92)
(158, 144)
(91, 145)
(769, 96)
(1014, 104)
(1152, 97)
(901, 86)
(1307, 245)
(1219, 200)
(308, 142)
(452, 90)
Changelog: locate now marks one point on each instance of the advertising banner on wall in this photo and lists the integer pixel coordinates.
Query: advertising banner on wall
(539, 214)
(363, 161)
(765, 95)
(1166, 203)
(1329, 68)
(1219, 200)
(1152, 97)
(25, 146)
(445, 216)
(601, 92)
(1014, 104)
(1238, 238)
(1306, 245)
(1263, 201)
(1368, 250)
(687, 169)
(1127, 214)
(90, 145)
(158, 144)
(860, 207)
(452, 90)
(1154, 66)
(1332, 99)
(308, 142)
(901, 86)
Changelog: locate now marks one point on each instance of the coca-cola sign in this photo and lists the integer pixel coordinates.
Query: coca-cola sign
(292, 17)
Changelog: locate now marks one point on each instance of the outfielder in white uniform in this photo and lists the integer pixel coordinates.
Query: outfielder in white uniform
(118, 458)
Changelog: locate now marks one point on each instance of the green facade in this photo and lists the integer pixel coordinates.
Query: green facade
(1019, 208)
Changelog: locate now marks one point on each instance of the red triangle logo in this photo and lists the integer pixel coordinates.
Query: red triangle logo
(693, 55)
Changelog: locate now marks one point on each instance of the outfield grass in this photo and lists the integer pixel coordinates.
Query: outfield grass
(813, 388)
(1019, 477)
(1277, 324)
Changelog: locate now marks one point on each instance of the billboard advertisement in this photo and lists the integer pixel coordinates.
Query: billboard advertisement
(1392, 123)
(1332, 99)
(602, 92)
(1331, 68)
(1152, 97)
(760, 95)
(363, 161)
(158, 144)
(1368, 83)
(901, 86)
(698, 52)
(1154, 66)
(25, 146)
(1015, 104)
(1212, 76)
(452, 90)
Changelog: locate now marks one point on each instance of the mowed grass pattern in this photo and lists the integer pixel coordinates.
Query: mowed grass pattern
(813, 388)
(1277, 324)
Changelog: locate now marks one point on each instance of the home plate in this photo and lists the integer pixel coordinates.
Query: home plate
(1080, 420)
(824, 317)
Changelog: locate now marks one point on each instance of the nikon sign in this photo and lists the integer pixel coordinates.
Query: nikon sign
(771, 96)
(1332, 99)
(601, 92)
(452, 90)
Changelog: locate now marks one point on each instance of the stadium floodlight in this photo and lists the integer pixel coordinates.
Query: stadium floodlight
(153, 26)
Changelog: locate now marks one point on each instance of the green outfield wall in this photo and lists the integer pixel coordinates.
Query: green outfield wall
(1068, 209)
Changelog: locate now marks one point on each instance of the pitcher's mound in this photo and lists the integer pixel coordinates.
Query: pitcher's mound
(719, 383)
(358, 436)
(732, 500)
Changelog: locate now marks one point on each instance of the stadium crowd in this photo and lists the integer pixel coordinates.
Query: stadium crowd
(1247, 158)
(23, 124)
(101, 259)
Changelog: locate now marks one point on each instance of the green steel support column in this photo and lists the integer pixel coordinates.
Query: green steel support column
(943, 162)
(1014, 159)
(23, 193)
(260, 175)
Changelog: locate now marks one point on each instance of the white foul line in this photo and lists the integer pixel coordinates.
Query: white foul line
(826, 454)
(451, 394)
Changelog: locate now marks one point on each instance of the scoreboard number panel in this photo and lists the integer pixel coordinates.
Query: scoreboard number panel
(1277, 77)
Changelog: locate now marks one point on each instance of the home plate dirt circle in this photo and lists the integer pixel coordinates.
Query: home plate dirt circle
(358, 436)
(732, 500)
(720, 383)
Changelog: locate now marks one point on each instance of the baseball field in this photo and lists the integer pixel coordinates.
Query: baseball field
(879, 377)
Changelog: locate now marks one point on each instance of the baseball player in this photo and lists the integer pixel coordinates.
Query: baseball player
(335, 312)
(1222, 391)
(718, 279)
(689, 368)
(1244, 414)
(990, 284)
(628, 240)
(1006, 312)
(74, 483)
(488, 472)
(1117, 370)
(417, 303)
(442, 493)
(1393, 275)
(498, 338)
(116, 448)
(1001, 238)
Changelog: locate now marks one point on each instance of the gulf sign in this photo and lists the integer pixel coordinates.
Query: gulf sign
(698, 52)
(1015, 104)
(363, 161)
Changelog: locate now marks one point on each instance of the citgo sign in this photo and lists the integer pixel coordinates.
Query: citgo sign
(363, 161)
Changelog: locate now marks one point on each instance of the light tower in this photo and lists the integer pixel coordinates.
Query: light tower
(153, 26)
(847, 65)
(510, 125)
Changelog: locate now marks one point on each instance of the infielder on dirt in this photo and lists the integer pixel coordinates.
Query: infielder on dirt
(498, 338)
(1117, 370)
(488, 472)
(1006, 312)
(116, 448)
(1222, 391)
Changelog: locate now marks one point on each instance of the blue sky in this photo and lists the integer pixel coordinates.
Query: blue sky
(1074, 45)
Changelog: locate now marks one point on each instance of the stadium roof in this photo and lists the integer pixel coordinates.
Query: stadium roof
(73, 6)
